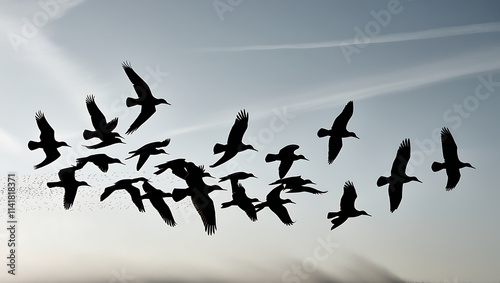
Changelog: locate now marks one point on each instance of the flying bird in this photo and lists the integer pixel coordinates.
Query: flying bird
(147, 150)
(276, 204)
(235, 177)
(241, 200)
(451, 162)
(47, 141)
(398, 175)
(337, 132)
(296, 184)
(286, 156)
(102, 128)
(100, 160)
(145, 98)
(156, 196)
(234, 140)
(127, 185)
(347, 209)
(69, 183)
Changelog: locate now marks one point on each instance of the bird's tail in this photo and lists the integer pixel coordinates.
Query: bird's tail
(260, 206)
(323, 132)
(179, 194)
(87, 135)
(436, 166)
(382, 181)
(271, 157)
(218, 148)
(131, 102)
(32, 145)
(52, 184)
(331, 215)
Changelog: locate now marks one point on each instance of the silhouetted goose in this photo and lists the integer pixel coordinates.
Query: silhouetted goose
(236, 177)
(69, 183)
(451, 162)
(102, 129)
(347, 209)
(126, 184)
(276, 204)
(398, 175)
(337, 132)
(145, 98)
(100, 160)
(286, 156)
(234, 140)
(156, 196)
(47, 141)
(178, 167)
(241, 199)
(145, 151)
(296, 184)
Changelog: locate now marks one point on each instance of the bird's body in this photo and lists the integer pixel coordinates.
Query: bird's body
(102, 129)
(156, 196)
(296, 184)
(127, 184)
(241, 200)
(145, 98)
(47, 141)
(100, 160)
(235, 177)
(398, 175)
(69, 183)
(147, 150)
(451, 163)
(276, 204)
(286, 156)
(347, 209)
(337, 132)
(234, 141)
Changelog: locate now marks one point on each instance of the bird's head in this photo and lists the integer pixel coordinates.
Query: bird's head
(302, 157)
(83, 183)
(362, 212)
(413, 178)
(351, 134)
(288, 201)
(468, 165)
(248, 175)
(307, 181)
(116, 160)
(215, 188)
(163, 101)
(248, 146)
(63, 144)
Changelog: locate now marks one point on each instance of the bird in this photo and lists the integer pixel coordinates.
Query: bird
(451, 162)
(69, 183)
(286, 156)
(156, 196)
(47, 141)
(337, 132)
(147, 150)
(234, 140)
(102, 129)
(347, 209)
(127, 184)
(295, 184)
(100, 160)
(276, 204)
(235, 177)
(241, 199)
(176, 165)
(398, 175)
(145, 98)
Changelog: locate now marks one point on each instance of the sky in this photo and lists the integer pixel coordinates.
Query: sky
(410, 68)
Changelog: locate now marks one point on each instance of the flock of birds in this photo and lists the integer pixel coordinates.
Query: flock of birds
(194, 174)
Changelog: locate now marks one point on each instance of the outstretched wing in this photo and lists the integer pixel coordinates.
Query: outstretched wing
(282, 213)
(239, 127)
(343, 118)
(395, 194)
(140, 86)
(146, 112)
(98, 119)
(46, 131)
(402, 158)
(348, 198)
(449, 146)
(334, 147)
(164, 211)
(205, 207)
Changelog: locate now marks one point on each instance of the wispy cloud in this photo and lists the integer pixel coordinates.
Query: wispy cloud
(397, 37)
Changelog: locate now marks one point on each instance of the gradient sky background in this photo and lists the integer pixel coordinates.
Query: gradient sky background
(293, 66)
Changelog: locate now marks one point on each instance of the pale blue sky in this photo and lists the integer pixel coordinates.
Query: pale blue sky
(292, 65)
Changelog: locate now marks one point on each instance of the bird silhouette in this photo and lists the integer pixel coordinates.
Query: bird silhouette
(102, 129)
(347, 209)
(235, 177)
(398, 175)
(296, 184)
(147, 150)
(286, 156)
(234, 140)
(276, 204)
(127, 184)
(69, 183)
(178, 167)
(156, 196)
(100, 160)
(451, 162)
(337, 132)
(145, 98)
(47, 141)
(241, 200)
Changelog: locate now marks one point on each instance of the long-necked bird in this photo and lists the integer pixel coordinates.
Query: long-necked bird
(47, 141)
(296, 184)
(451, 162)
(235, 177)
(100, 160)
(234, 140)
(286, 156)
(102, 128)
(127, 185)
(337, 132)
(147, 150)
(347, 209)
(69, 183)
(276, 204)
(241, 200)
(145, 98)
(156, 196)
(398, 175)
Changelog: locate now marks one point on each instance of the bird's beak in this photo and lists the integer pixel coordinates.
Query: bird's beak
(306, 159)
(369, 215)
(122, 163)
(419, 181)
